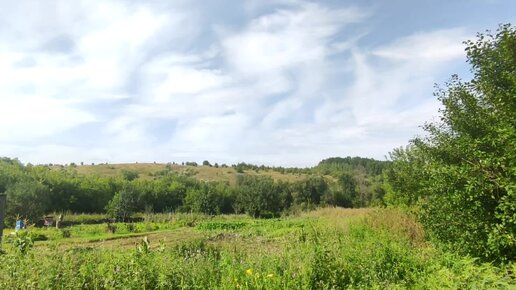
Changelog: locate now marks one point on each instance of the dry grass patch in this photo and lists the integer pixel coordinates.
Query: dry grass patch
(398, 222)
(337, 212)
(205, 173)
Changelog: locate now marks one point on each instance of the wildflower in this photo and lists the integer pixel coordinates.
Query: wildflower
(249, 271)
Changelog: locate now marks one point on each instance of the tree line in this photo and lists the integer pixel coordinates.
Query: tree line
(33, 191)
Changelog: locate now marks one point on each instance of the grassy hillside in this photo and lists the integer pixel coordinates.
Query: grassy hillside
(206, 173)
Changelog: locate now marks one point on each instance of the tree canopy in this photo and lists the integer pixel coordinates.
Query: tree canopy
(462, 175)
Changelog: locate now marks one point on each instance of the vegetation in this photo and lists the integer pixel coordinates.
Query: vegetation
(35, 190)
(239, 252)
(28, 199)
(444, 216)
(462, 177)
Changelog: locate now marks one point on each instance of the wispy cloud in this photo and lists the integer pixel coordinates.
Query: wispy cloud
(287, 39)
(426, 47)
(32, 116)
(291, 84)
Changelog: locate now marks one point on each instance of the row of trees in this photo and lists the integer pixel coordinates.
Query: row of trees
(338, 164)
(35, 190)
(331, 166)
(461, 177)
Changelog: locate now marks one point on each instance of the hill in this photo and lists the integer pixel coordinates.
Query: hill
(204, 173)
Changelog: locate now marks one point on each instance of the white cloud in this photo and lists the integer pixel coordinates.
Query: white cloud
(430, 47)
(390, 100)
(287, 38)
(177, 80)
(290, 86)
(42, 91)
(112, 49)
(35, 116)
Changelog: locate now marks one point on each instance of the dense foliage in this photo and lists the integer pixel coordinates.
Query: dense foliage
(35, 190)
(368, 165)
(462, 176)
(334, 249)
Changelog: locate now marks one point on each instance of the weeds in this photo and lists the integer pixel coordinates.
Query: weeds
(375, 250)
(22, 241)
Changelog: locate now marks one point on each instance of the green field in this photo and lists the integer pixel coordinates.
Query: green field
(330, 248)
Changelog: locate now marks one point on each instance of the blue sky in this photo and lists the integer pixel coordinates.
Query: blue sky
(282, 82)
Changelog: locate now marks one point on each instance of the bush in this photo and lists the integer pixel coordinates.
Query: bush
(22, 241)
(123, 204)
(461, 176)
(65, 233)
(130, 175)
(27, 199)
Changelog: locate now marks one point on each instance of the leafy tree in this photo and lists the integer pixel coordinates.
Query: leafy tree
(123, 204)
(308, 193)
(11, 170)
(406, 181)
(346, 191)
(203, 199)
(226, 197)
(167, 194)
(258, 196)
(462, 175)
(27, 199)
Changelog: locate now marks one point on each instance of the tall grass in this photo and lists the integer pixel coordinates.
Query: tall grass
(326, 249)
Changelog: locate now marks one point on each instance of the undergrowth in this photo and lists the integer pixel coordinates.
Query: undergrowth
(382, 249)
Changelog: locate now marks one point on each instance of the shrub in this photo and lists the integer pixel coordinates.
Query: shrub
(461, 176)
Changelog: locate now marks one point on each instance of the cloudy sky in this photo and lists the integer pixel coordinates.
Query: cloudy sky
(282, 82)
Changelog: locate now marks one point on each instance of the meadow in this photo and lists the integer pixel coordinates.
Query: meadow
(329, 248)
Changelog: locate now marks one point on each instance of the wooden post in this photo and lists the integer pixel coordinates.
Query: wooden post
(59, 220)
(3, 204)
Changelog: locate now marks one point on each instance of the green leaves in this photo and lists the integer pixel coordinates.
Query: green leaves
(461, 176)
(22, 241)
(27, 199)
(123, 204)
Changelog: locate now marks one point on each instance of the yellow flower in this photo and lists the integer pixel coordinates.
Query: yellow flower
(270, 275)
(249, 271)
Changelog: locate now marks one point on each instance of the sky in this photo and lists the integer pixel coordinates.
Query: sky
(275, 82)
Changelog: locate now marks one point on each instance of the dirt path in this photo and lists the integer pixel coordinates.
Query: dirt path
(168, 237)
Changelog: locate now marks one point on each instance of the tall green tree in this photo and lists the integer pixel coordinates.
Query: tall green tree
(123, 204)
(258, 196)
(309, 193)
(463, 173)
(27, 199)
(205, 199)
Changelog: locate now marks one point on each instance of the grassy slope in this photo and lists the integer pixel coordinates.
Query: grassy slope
(206, 173)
